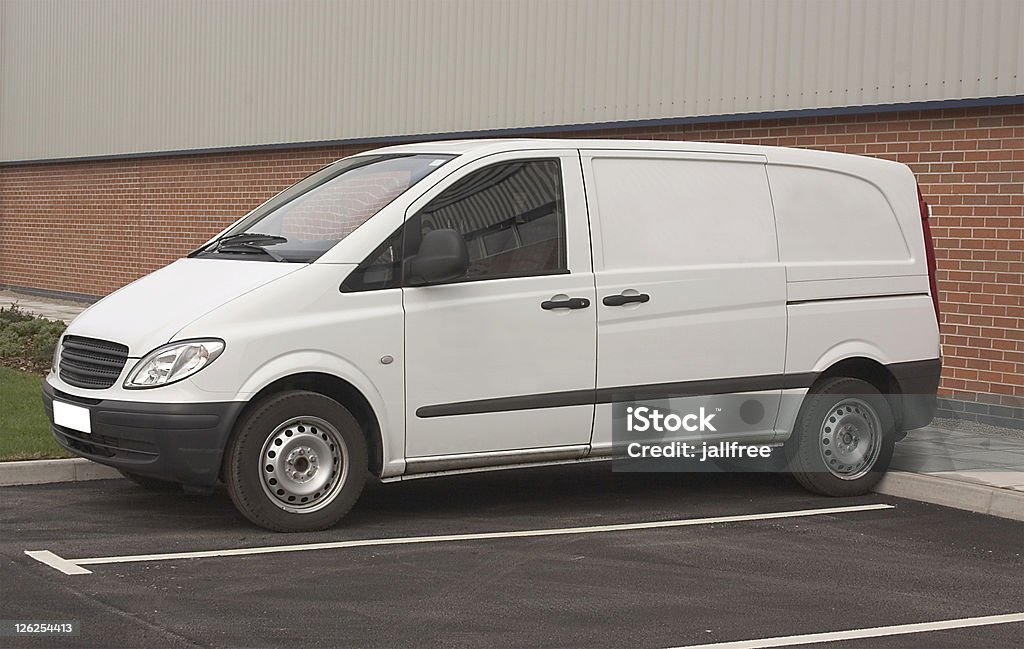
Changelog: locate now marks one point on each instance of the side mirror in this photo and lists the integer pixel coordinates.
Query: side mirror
(442, 257)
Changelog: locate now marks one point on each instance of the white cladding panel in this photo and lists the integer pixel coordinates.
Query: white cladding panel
(671, 212)
(825, 215)
(138, 76)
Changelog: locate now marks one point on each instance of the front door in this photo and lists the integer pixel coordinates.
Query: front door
(503, 360)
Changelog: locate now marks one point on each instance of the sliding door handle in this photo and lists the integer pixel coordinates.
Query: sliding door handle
(619, 300)
(568, 303)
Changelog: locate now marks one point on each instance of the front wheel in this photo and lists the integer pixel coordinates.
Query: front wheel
(844, 438)
(297, 462)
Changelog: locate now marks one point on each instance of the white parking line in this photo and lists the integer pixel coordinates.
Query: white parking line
(856, 634)
(52, 560)
(74, 566)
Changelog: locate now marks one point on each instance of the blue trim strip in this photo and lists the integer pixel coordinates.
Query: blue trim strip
(979, 102)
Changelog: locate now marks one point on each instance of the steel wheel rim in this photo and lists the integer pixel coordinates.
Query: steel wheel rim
(303, 465)
(850, 439)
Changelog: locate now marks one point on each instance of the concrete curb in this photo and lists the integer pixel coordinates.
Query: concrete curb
(46, 471)
(983, 499)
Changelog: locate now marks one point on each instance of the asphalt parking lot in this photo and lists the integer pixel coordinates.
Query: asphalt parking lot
(685, 584)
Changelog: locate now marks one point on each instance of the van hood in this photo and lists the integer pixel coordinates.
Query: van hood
(148, 312)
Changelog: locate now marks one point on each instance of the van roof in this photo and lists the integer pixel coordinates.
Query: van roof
(481, 147)
(459, 147)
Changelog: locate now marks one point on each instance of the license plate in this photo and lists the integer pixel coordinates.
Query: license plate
(73, 417)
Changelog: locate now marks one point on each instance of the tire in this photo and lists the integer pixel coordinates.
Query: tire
(297, 462)
(843, 440)
(153, 484)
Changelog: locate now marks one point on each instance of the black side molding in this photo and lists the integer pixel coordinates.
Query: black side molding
(620, 394)
(855, 297)
(918, 382)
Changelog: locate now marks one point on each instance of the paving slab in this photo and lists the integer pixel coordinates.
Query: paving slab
(64, 310)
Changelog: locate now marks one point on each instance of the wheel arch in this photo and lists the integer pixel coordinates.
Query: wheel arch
(872, 372)
(341, 391)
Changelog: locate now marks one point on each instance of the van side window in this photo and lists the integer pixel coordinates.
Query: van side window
(380, 270)
(511, 215)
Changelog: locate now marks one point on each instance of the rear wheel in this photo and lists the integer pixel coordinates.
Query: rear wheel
(844, 438)
(297, 462)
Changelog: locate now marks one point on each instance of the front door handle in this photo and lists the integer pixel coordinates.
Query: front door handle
(619, 300)
(568, 303)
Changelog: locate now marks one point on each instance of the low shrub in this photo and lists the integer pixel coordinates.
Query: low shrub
(27, 341)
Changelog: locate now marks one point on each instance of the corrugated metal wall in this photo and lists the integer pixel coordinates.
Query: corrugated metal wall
(108, 77)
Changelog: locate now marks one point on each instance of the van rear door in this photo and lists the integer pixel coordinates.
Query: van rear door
(691, 298)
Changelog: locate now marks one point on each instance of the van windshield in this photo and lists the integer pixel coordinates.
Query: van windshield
(309, 218)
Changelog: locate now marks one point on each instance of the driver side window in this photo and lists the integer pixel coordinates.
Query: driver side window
(511, 216)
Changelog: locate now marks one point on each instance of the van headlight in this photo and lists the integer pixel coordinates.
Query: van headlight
(173, 362)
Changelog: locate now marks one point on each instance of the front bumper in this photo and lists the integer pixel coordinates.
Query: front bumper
(179, 442)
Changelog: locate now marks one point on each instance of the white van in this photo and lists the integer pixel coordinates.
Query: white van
(446, 306)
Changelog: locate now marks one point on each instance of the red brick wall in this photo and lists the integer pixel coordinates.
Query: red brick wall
(124, 218)
(90, 227)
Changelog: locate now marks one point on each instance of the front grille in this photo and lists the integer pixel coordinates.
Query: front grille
(90, 363)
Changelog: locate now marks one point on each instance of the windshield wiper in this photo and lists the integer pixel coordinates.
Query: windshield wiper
(247, 248)
(251, 240)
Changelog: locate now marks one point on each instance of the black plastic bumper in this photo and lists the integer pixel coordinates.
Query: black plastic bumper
(919, 383)
(179, 442)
